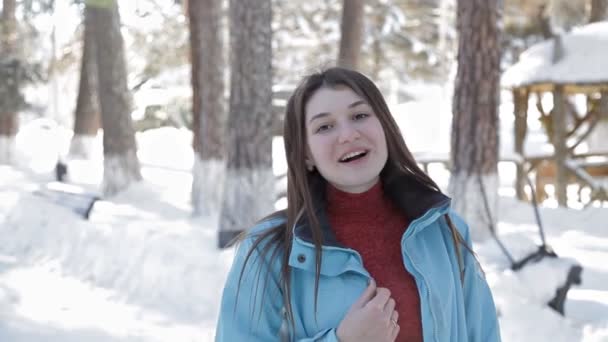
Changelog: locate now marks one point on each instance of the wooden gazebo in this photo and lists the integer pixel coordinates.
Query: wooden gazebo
(572, 63)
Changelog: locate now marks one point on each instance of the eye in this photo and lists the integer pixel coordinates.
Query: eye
(323, 128)
(360, 116)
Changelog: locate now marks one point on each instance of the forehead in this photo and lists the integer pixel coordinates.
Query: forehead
(331, 100)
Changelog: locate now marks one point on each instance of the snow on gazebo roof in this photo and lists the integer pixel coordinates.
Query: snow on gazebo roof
(584, 63)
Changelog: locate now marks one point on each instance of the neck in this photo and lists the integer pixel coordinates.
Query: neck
(360, 188)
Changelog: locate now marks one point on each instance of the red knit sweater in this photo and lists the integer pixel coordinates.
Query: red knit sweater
(373, 226)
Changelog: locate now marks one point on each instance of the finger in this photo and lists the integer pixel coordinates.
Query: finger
(389, 308)
(367, 295)
(395, 317)
(391, 315)
(394, 327)
(394, 332)
(379, 301)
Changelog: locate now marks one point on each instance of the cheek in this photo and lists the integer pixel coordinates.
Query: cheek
(319, 149)
(384, 143)
(381, 137)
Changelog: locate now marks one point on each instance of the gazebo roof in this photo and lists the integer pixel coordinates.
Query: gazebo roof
(582, 68)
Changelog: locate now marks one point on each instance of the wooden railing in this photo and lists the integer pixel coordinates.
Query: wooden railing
(582, 168)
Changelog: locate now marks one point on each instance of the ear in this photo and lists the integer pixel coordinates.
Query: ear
(309, 164)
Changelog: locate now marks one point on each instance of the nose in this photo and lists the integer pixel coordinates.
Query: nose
(348, 133)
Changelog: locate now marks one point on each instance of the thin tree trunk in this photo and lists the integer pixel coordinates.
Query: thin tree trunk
(249, 186)
(474, 152)
(121, 166)
(351, 29)
(377, 55)
(558, 117)
(599, 10)
(520, 100)
(206, 46)
(10, 81)
(87, 119)
(544, 22)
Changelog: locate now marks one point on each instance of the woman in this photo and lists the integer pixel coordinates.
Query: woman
(367, 249)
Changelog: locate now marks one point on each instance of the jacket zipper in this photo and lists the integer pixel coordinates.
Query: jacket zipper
(427, 293)
(426, 287)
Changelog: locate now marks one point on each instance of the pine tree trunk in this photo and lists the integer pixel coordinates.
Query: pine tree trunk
(249, 185)
(351, 29)
(209, 115)
(87, 119)
(121, 166)
(558, 117)
(599, 10)
(10, 81)
(474, 150)
(520, 101)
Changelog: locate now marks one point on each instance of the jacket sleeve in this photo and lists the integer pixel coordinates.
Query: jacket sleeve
(480, 311)
(251, 310)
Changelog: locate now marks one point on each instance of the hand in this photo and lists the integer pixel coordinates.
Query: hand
(371, 318)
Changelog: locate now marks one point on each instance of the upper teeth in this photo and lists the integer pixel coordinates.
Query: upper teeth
(351, 154)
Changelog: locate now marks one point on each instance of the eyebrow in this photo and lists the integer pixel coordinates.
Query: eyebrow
(323, 114)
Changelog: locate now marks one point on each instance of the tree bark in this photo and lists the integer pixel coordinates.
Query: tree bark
(520, 100)
(209, 117)
(599, 10)
(558, 117)
(544, 22)
(249, 185)
(351, 29)
(10, 82)
(474, 151)
(87, 120)
(121, 166)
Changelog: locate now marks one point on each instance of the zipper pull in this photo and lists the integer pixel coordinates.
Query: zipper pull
(284, 330)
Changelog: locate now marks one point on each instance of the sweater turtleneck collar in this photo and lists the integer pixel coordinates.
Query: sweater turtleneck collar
(354, 204)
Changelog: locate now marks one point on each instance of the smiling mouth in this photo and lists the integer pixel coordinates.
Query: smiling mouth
(353, 156)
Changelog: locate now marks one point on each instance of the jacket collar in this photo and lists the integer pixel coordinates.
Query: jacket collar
(412, 197)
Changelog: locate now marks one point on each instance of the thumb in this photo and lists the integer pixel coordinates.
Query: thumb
(367, 295)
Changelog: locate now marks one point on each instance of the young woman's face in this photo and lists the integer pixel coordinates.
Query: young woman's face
(346, 142)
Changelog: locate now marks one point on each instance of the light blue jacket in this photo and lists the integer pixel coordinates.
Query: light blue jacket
(451, 310)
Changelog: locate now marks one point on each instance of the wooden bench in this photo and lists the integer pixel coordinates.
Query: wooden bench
(66, 196)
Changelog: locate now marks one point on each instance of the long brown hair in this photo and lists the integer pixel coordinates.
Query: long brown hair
(300, 198)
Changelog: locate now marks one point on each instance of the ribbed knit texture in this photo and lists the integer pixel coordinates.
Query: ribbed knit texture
(373, 226)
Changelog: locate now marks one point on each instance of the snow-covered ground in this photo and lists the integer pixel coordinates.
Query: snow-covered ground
(141, 269)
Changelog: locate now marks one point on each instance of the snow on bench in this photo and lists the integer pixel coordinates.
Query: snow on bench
(69, 196)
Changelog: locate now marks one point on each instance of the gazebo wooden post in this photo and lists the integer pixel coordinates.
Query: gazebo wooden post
(604, 104)
(559, 144)
(520, 101)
